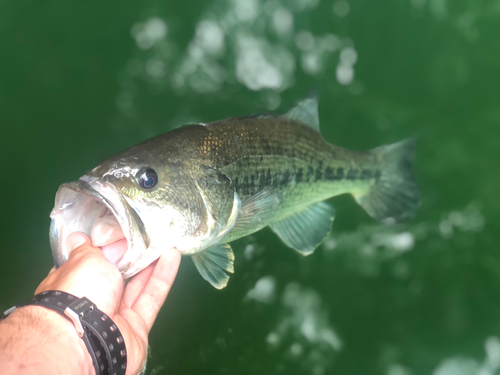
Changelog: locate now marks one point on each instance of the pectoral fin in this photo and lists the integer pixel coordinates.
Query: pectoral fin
(306, 229)
(257, 210)
(212, 262)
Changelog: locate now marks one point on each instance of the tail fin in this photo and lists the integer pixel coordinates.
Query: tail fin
(395, 194)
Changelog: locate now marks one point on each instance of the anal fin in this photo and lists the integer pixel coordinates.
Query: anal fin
(306, 229)
(214, 262)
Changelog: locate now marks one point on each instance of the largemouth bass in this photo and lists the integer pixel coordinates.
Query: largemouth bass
(202, 186)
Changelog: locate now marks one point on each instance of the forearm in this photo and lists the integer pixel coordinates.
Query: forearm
(36, 340)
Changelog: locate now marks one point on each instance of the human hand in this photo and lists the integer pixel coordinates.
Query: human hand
(133, 307)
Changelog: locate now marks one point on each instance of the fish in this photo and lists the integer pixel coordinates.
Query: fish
(201, 186)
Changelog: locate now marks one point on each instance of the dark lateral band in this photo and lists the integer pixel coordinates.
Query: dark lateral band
(100, 335)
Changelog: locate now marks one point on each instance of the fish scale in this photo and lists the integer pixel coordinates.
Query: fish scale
(283, 147)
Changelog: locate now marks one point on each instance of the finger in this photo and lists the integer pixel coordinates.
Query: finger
(137, 284)
(153, 295)
(75, 244)
(87, 273)
(76, 240)
(79, 243)
(40, 288)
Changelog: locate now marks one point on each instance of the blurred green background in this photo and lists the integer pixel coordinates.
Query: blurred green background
(81, 81)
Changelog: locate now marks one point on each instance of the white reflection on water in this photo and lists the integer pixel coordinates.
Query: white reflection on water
(468, 366)
(438, 8)
(304, 40)
(246, 10)
(396, 241)
(418, 4)
(492, 346)
(316, 50)
(341, 8)
(148, 33)
(457, 366)
(345, 68)
(470, 219)
(260, 65)
(253, 43)
(264, 290)
(302, 5)
(249, 252)
(330, 244)
(348, 56)
(369, 247)
(209, 38)
(461, 365)
(466, 25)
(304, 319)
(345, 74)
(155, 67)
(283, 21)
(397, 369)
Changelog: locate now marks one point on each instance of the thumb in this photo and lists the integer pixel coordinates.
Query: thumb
(76, 240)
(79, 242)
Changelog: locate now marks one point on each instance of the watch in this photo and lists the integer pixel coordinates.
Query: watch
(99, 333)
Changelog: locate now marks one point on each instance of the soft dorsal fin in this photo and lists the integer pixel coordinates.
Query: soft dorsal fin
(212, 262)
(306, 112)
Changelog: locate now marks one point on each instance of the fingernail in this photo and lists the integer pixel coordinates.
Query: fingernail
(75, 240)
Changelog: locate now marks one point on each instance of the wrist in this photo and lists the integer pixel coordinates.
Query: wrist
(34, 339)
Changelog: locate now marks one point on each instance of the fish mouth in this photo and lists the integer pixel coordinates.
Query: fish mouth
(79, 204)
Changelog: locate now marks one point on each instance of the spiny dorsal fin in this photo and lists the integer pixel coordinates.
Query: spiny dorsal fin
(306, 229)
(306, 112)
(212, 262)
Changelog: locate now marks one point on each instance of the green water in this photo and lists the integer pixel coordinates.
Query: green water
(80, 81)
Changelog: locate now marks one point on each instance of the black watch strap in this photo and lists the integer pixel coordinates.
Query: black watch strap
(100, 335)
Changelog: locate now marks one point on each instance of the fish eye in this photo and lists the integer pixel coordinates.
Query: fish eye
(147, 178)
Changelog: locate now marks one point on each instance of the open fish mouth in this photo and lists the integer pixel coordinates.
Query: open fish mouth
(97, 209)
